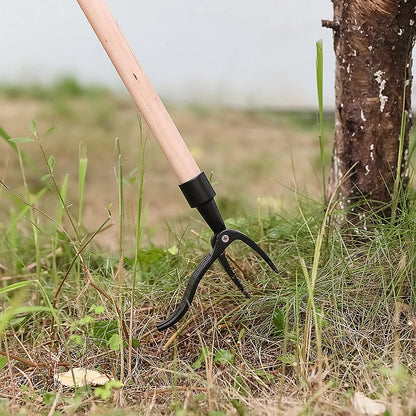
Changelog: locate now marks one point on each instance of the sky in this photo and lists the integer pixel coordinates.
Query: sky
(230, 52)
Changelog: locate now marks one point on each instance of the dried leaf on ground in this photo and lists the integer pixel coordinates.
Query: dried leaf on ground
(366, 406)
(82, 376)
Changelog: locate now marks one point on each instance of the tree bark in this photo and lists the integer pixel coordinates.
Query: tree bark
(373, 41)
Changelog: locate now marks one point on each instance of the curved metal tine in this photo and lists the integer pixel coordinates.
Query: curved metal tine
(227, 267)
(190, 290)
(237, 235)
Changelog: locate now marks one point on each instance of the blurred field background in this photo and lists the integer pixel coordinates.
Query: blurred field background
(256, 158)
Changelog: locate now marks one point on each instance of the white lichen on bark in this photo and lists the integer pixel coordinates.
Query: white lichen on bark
(381, 84)
(372, 151)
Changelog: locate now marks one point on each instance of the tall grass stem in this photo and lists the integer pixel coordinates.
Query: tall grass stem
(82, 173)
(138, 232)
(397, 187)
(319, 84)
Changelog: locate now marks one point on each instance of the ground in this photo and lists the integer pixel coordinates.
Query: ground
(335, 323)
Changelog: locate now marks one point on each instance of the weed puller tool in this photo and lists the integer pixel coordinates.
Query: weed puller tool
(193, 183)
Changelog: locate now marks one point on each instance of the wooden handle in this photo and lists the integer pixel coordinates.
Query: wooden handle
(140, 89)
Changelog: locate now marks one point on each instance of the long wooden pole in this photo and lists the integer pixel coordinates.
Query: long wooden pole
(141, 90)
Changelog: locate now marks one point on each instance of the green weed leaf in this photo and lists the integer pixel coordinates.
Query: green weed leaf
(4, 134)
(3, 362)
(241, 386)
(87, 319)
(45, 177)
(97, 309)
(102, 392)
(17, 322)
(200, 397)
(203, 354)
(173, 250)
(238, 406)
(75, 401)
(76, 339)
(241, 334)
(223, 356)
(48, 398)
(135, 343)
(22, 140)
(31, 309)
(287, 359)
(148, 258)
(324, 323)
(32, 127)
(105, 391)
(15, 286)
(48, 132)
(51, 163)
(115, 342)
(264, 375)
(104, 330)
(279, 321)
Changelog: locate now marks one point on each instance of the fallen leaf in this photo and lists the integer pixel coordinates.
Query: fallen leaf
(366, 406)
(82, 377)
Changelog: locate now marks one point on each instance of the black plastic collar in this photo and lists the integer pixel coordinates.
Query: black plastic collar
(197, 191)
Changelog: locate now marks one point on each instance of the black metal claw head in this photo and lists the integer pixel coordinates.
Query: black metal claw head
(219, 243)
(200, 195)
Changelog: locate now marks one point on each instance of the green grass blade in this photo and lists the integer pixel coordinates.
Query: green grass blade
(8, 139)
(64, 191)
(120, 179)
(82, 173)
(398, 180)
(319, 84)
(15, 286)
(140, 181)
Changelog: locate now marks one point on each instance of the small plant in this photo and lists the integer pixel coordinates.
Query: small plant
(105, 391)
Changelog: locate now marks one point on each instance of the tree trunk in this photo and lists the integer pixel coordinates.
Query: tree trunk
(373, 41)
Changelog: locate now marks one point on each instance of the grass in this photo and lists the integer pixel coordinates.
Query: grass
(249, 358)
(319, 83)
(337, 319)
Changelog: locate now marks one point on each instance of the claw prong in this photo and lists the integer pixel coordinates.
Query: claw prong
(219, 242)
